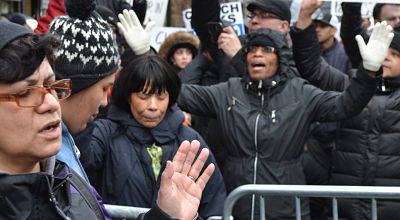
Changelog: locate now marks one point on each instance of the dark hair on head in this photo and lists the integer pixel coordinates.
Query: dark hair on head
(376, 13)
(144, 71)
(22, 56)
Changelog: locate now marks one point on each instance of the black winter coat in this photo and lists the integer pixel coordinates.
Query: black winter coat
(119, 166)
(367, 145)
(265, 124)
(44, 195)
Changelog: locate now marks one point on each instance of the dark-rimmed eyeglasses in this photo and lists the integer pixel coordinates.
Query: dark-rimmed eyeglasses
(265, 15)
(265, 49)
(33, 96)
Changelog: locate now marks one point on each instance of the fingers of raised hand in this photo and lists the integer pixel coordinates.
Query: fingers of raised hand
(205, 176)
(180, 156)
(199, 164)
(191, 155)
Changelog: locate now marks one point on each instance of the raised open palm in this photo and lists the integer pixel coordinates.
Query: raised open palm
(181, 182)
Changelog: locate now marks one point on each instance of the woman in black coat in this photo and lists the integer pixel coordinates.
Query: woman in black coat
(128, 150)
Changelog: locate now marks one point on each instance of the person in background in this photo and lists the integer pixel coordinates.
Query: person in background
(34, 185)
(366, 150)
(331, 50)
(351, 25)
(129, 150)
(179, 49)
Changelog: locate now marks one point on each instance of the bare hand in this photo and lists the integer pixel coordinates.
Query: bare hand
(181, 182)
(229, 42)
(308, 7)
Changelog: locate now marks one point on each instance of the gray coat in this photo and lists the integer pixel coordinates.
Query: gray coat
(265, 124)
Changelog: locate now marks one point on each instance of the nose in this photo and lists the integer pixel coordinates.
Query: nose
(152, 103)
(50, 104)
(104, 100)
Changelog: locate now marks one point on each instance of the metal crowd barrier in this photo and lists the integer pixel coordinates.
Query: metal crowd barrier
(129, 212)
(371, 192)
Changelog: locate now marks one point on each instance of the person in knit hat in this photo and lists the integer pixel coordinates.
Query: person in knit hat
(179, 48)
(89, 57)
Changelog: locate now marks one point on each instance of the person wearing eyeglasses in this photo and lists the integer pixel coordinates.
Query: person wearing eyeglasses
(266, 115)
(33, 184)
(352, 25)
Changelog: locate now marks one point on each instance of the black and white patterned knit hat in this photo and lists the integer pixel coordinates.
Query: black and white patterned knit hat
(88, 52)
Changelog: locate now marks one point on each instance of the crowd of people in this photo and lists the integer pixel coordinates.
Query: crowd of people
(92, 114)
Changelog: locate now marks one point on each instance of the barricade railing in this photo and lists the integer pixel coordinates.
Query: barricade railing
(130, 212)
(298, 191)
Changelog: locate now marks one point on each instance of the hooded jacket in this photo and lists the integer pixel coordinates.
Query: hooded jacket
(119, 165)
(265, 124)
(366, 151)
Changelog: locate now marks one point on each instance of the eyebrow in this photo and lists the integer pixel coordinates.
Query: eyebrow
(34, 81)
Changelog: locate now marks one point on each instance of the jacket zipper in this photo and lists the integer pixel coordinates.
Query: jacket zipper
(256, 157)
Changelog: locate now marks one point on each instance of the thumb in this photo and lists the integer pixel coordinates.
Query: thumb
(121, 28)
(361, 43)
(229, 30)
(149, 27)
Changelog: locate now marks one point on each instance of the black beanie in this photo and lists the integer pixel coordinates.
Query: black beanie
(396, 41)
(11, 31)
(259, 39)
(88, 52)
(278, 7)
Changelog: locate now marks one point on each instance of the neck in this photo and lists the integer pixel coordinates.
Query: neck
(326, 43)
(16, 166)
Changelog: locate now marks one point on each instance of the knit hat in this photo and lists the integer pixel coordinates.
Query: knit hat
(178, 40)
(88, 52)
(278, 7)
(396, 41)
(11, 31)
(259, 38)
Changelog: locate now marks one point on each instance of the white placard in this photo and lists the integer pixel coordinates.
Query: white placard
(156, 11)
(159, 34)
(231, 12)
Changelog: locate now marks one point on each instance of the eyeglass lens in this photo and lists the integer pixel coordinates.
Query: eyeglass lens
(34, 96)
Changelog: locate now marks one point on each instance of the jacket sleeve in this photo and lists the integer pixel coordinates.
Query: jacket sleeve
(55, 8)
(335, 106)
(93, 154)
(204, 11)
(201, 100)
(311, 65)
(351, 26)
(193, 72)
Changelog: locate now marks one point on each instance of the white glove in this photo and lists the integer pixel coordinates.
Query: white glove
(375, 52)
(137, 38)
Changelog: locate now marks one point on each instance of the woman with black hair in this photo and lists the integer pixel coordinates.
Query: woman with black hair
(128, 150)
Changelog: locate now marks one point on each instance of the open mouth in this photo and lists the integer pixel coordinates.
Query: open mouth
(50, 126)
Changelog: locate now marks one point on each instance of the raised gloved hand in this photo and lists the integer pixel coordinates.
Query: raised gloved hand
(137, 37)
(375, 52)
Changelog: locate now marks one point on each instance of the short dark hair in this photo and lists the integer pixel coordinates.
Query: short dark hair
(145, 69)
(21, 57)
(376, 13)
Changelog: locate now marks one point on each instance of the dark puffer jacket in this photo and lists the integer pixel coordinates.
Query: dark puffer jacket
(119, 166)
(367, 151)
(265, 124)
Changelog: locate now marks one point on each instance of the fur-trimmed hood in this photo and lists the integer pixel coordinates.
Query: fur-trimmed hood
(172, 42)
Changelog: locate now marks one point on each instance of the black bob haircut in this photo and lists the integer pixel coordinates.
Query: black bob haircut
(21, 57)
(148, 72)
